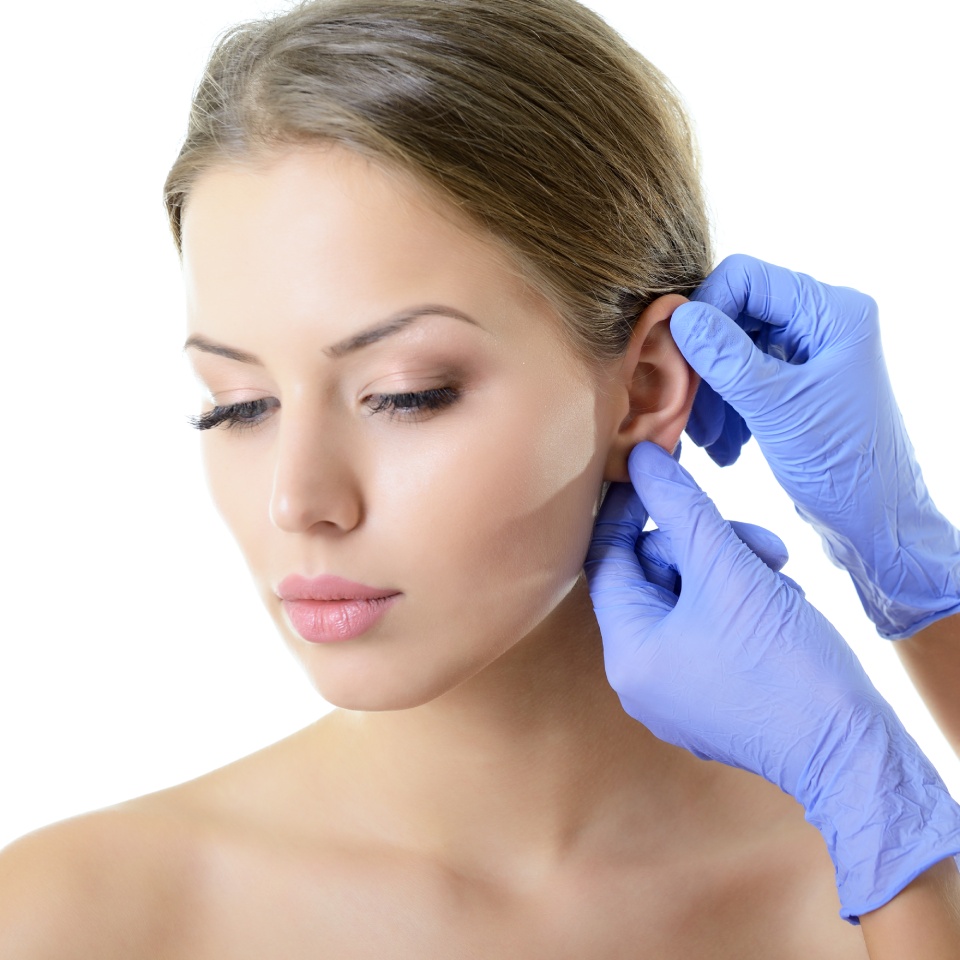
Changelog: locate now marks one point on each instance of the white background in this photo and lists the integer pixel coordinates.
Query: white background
(133, 651)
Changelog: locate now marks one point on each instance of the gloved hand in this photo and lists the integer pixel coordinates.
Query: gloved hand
(800, 364)
(738, 667)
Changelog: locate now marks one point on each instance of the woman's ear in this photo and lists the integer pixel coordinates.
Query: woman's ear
(654, 388)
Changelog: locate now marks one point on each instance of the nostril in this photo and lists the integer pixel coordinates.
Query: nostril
(332, 504)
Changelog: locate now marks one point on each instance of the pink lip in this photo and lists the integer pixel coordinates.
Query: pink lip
(328, 609)
(329, 588)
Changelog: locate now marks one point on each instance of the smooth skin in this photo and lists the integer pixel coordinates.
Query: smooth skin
(480, 791)
(931, 658)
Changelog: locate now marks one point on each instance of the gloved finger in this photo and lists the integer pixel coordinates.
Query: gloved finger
(706, 416)
(616, 531)
(793, 583)
(743, 286)
(732, 439)
(659, 563)
(697, 536)
(716, 426)
(725, 357)
(621, 517)
(763, 542)
(781, 344)
(655, 556)
(615, 577)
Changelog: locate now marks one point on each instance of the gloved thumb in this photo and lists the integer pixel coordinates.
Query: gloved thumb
(764, 543)
(698, 535)
(724, 356)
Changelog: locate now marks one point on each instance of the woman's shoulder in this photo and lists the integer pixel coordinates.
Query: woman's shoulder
(130, 879)
(110, 883)
(205, 868)
(763, 872)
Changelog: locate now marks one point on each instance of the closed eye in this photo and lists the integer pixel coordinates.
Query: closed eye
(404, 406)
(235, 416)
(413, 405)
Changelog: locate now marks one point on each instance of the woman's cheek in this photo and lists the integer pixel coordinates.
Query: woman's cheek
(565, 470)
(506, 500)
(239, 475)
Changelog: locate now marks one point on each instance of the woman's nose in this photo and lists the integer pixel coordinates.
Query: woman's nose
(314, 481)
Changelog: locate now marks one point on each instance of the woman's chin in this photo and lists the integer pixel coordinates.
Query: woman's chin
(371, 697)
(376, 687)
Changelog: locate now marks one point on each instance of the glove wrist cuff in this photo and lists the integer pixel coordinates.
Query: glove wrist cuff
(883, 811)
(870, 874)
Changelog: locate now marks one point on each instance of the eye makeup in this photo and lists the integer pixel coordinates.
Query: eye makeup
(234, 416)
(411, 406)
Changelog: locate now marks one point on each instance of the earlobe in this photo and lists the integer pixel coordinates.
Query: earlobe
(655, 388)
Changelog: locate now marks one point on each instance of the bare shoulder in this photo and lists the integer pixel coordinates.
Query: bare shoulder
(101, 885)
(136, 880)
(767, 871)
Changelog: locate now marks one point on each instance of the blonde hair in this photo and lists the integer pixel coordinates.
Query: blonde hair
(533, 117)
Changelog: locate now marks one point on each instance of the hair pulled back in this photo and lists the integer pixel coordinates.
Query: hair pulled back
(533, 117)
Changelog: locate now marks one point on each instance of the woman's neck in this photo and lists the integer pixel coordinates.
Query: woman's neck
(531, 762)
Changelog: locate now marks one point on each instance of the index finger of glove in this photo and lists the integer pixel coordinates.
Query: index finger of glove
(743, 286)
(702, 544)
(727, 359)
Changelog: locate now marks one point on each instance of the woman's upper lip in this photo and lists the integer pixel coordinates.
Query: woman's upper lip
(296, 587)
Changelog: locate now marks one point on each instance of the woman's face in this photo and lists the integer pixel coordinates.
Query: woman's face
(476, 506)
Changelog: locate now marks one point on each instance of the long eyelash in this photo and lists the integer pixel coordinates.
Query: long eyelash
(397, 403)
(237, 416)
(244, 416)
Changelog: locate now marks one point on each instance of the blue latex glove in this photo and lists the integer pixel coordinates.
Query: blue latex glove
(739, 667)
(800, 364)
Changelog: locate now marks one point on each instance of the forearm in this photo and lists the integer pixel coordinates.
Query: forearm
(932, 659)
(922, 922)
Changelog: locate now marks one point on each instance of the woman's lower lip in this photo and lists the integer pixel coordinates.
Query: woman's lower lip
(327, 621)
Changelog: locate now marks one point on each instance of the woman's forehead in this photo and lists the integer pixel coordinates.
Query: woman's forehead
(327, 233)
(310, 207)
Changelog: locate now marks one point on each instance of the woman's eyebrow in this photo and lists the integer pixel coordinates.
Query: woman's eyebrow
(208, 346)
(397, 322)
(394, 324)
